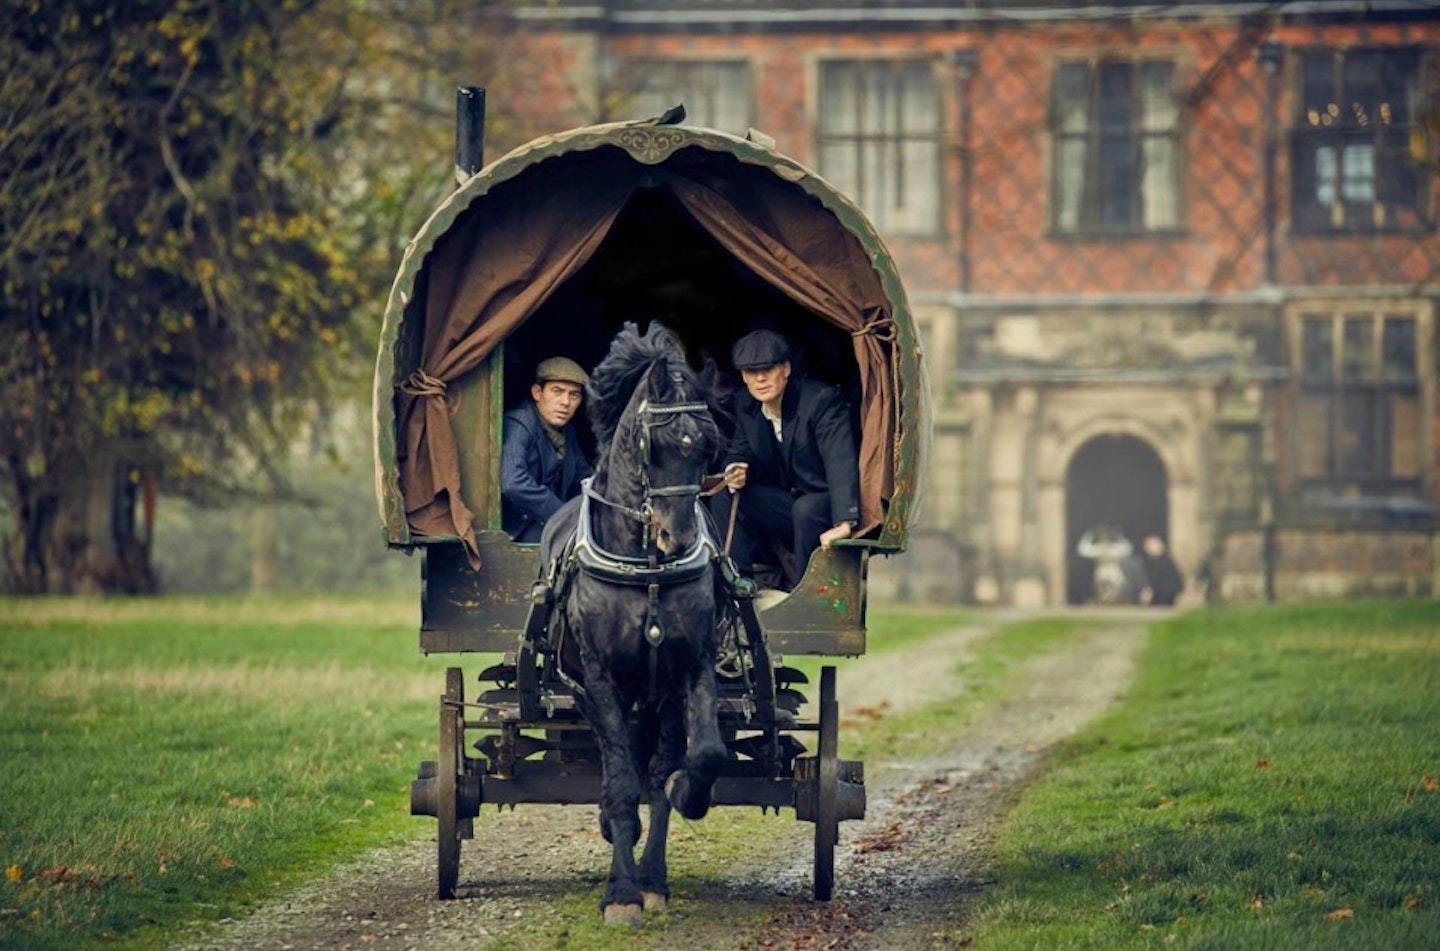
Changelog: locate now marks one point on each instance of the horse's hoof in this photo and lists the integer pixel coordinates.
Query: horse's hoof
(654, 901)
(680, 799)
(630, 915)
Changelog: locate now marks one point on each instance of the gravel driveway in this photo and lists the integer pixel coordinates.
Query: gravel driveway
(904, 875)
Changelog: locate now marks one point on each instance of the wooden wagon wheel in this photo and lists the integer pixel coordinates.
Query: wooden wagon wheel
(451, 763)
(827, 809)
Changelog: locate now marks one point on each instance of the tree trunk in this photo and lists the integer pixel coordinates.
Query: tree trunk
(265, 557)
(25, 564)
(78, 535)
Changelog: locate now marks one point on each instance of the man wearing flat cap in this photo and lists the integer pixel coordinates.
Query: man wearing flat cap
(793, 453)
(541, 462)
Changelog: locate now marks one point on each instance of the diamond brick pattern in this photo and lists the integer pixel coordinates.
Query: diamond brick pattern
(1223, 98)
(1222, 200)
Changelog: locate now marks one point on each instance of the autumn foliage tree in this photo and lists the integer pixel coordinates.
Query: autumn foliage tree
(195, 237)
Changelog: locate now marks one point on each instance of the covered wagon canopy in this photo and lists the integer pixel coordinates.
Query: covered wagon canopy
(551, 248)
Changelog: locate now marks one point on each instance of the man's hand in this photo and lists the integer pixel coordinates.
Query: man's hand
(735, 474)
(834, 534)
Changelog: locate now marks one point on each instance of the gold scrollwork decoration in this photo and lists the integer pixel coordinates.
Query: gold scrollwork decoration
(652, 146)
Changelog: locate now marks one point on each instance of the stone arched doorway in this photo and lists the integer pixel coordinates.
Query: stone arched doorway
(1115, 480)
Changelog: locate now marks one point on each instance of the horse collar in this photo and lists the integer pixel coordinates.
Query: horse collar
(631, 570)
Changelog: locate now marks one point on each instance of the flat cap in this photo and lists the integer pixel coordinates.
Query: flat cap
(561, 369)
(759, 349)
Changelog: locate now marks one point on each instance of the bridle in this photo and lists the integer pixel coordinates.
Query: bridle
(654, 415)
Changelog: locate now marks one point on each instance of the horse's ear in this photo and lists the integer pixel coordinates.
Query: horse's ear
(659, 374)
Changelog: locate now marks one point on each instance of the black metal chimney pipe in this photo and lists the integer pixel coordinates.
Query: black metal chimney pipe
(469, 132)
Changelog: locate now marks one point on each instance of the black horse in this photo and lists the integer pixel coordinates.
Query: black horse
(633, 564)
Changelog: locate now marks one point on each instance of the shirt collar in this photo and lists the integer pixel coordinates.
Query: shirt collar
(773, 417)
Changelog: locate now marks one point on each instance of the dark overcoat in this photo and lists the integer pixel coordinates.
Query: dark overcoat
(816, 452)
(534, 480)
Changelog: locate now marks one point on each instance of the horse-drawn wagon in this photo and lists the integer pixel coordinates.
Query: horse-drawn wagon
(553, 249)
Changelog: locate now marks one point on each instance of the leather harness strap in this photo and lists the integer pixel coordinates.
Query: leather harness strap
(582, 552)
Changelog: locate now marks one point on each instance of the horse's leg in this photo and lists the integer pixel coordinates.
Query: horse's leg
(669, 748)
(642, 746)
(689, 789)
(619, 796)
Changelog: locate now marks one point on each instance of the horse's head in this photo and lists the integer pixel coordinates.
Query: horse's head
(657, 437)
(674, 439)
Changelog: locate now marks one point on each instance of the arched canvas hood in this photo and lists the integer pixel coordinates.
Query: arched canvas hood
(514, 235)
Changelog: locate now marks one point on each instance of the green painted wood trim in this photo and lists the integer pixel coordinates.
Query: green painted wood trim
(492, 514)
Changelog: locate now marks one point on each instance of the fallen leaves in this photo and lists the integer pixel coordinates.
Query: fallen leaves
(812, 929)
(886, 840)
(84, 875)
(1428, 784)
(863, 714)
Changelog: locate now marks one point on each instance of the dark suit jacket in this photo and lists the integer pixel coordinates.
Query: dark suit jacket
(534, 481)
(816, 452)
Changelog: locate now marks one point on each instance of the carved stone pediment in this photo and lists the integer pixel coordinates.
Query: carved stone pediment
(1113, 351)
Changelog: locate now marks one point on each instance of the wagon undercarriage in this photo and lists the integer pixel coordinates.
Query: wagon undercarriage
(521, 739)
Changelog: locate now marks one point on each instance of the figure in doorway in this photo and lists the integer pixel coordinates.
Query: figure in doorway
(1119, 575)
(1163, 581)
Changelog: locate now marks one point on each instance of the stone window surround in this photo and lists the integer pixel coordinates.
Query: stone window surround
(1378, 308)
(1167, 215)
(1324, 140)
(705, 67)
(934, 201)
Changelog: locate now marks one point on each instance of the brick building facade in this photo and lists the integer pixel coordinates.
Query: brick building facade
(1175, 264)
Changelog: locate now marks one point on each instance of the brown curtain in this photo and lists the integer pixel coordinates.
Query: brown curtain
(498, 263)
(787, 238)
(504, 257)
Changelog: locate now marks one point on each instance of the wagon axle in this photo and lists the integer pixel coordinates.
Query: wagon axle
(515, 768)
(568, 787)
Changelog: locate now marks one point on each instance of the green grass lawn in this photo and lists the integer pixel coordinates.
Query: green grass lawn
(175, 761)
(1272, 781)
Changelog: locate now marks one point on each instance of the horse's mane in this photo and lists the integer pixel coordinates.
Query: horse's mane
(614, 379)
